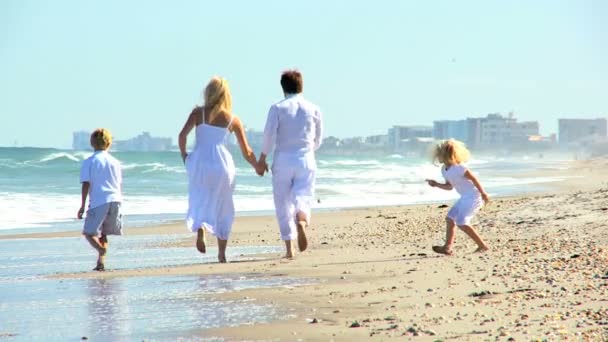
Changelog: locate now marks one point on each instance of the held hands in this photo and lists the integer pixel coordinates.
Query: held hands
(261, 167)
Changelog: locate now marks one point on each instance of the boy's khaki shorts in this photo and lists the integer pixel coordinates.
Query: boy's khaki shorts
(105, 219)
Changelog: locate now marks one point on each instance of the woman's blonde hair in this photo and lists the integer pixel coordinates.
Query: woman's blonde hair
(451, 152)
(101, 139)
(217, 97)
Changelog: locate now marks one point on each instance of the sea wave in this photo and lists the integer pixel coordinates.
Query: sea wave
(60, 156)
(349, 162)
(153, 167)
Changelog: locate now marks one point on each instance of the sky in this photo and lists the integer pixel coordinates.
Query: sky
(133, 66)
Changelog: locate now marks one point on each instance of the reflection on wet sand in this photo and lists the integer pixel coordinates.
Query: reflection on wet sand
(132, 308)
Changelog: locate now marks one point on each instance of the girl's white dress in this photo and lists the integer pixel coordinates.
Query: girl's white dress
(211, 171)
(470, 202)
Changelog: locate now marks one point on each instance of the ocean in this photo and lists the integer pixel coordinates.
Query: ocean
(40, 189)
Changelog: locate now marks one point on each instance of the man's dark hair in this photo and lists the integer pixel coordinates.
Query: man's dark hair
(291, 82)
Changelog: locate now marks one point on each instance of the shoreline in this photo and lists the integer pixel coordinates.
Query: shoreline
(546, 275)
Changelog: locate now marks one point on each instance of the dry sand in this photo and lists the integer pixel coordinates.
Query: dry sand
(546, 276)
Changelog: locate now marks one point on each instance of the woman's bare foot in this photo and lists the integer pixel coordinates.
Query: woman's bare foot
(442, 250)
(302, 241)
(221, 259)
(200, 240)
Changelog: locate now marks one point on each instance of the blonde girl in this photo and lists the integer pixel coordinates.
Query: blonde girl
(452, 154)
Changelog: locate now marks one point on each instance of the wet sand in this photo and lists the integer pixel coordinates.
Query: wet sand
(546, 276)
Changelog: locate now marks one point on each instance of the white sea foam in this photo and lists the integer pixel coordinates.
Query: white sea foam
(60, 155)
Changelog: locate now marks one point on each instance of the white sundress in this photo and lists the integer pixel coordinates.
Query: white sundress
(211, 172)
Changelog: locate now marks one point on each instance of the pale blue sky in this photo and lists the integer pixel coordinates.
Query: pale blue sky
(132, 66)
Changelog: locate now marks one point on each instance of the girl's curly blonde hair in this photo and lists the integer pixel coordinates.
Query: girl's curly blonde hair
(101, 139)
(451, 152)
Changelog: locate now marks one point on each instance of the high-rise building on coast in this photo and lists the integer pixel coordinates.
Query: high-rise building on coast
(493, 130)
(81, 140)
(581, 130)
(145, 142)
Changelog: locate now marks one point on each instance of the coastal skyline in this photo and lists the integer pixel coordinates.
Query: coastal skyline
(135, 67)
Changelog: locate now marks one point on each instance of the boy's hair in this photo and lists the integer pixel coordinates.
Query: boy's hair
(291, 82)
(101, 139)
(451, 152)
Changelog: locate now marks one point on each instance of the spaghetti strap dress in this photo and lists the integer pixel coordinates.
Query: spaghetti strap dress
(210, 169)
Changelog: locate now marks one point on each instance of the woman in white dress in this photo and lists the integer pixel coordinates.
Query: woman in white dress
(210, 167)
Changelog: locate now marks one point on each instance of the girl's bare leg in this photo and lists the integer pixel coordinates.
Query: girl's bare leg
(470, 231)
(221, 246)
(450, 233)
(450, 230)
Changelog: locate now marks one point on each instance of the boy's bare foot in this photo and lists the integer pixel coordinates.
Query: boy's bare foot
(100, 267)
(200, 241)
(442, 250)
(482, 249)
(302, 241)
(103, 241)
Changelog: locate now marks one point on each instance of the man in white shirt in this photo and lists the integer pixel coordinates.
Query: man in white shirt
(293, 132)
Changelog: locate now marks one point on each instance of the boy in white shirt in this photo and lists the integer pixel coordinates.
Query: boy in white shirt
(101, 179)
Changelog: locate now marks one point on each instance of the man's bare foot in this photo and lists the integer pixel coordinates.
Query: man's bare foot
(442, 250)
(482, 249)
(302, 241)
(200, 241)
(221, 259)
(289, 250)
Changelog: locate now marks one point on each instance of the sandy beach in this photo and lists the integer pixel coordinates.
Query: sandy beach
(545, 277)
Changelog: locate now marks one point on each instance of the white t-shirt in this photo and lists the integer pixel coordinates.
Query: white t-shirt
(455, 176)
(103, 173)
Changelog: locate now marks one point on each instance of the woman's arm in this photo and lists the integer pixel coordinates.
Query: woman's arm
(469, 175)
(239, 131)
(183, 135)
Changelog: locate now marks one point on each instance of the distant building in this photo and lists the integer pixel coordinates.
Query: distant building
(578, 130)
(143, 142)
(380, 140)
(352, 142)
(81, 140)
(451, 129)
(499, 130)
(330, 142)
(398, 134)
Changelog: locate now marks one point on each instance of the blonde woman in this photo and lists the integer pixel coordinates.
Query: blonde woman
(452, 153)
(210, 167)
